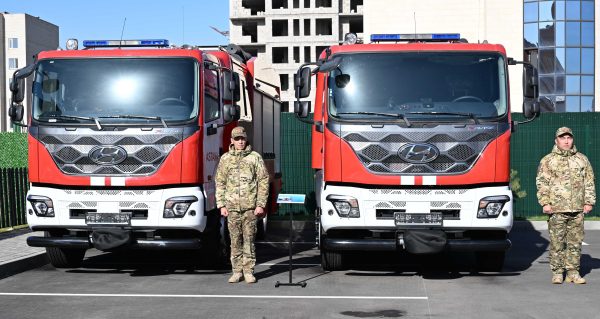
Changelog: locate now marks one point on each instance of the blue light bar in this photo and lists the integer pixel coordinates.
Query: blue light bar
(425, 37)
(125, 43)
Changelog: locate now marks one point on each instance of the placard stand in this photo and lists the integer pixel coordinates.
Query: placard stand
(291, 199)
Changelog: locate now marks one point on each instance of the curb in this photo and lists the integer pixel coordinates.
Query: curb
(23, 264)
(543, 225)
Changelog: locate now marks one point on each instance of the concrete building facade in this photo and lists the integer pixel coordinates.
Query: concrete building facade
(23, 36)
(287, 33)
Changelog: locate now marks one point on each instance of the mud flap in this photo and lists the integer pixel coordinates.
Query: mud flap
(110, 238)
(424, 241)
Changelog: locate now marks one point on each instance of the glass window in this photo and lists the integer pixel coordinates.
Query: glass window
(587, 61)
(573, 104)
(546, 34)
(573, 60)
(573, 10)
(572, 84)
(546, 85)
(560, 34)
(587, 84)
(211, 95)
(587, 104)
(559, 10)
(546, 63)
(587, 34)
(13, 63)
(587, 10)
(559, 87)
(559, 64)
(559, 104)
(13, 43)
(530, 33)
(530, 12)
(573, 34)
(545, 13)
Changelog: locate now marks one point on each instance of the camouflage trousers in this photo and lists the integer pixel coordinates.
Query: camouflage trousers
(242, 231)
(566, 236)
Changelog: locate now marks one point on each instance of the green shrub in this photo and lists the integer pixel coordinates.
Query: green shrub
(13, 150)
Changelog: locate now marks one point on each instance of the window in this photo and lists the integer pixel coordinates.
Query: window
(280, 55)
(284, 79)
(306, 26)
(211, 95)
(296, 27)
(13, 63)
(13, 43)
(324, 26)
(280, 28)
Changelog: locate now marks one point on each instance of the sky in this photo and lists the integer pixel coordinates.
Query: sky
(179, 21)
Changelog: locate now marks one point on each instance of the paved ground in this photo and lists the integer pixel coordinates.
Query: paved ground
(160, 285)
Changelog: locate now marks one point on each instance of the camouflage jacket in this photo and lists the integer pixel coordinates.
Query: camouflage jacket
(565, 181)
(242, 180)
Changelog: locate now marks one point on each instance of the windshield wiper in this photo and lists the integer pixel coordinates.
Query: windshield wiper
(142, 117)
(396, 115)
(86, 118)
(470, 115)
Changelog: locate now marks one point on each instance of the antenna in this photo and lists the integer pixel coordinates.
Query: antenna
(122, 30)
(182, 25)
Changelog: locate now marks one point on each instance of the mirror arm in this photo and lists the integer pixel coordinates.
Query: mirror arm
(19, 124)
(535, 115)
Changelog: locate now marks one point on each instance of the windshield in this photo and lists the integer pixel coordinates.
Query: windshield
(115, 90)
(415, 85)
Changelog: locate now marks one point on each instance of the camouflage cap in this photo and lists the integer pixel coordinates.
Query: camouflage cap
(563, 130)
(238, 131)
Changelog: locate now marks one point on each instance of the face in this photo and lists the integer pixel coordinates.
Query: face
(564, 142)
(239, 143)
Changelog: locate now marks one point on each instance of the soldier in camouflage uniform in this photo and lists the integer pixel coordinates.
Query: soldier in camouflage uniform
(566, 191)
(242, 189)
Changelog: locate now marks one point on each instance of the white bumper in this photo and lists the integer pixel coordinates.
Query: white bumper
(416, 201)
(113, 201)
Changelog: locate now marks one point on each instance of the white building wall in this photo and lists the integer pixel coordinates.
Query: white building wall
(494, 21)
(34, 35)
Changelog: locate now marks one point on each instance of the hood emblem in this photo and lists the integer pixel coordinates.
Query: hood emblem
(418, 153)
(107, 155)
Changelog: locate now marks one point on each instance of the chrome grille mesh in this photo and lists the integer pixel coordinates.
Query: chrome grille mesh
(458, 150)
(145, 152)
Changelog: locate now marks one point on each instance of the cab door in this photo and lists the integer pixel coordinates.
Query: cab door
(213, 133)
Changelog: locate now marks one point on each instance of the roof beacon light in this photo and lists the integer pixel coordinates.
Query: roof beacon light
(72, 44)
(420, 37)
(125, 43)
(350, 38)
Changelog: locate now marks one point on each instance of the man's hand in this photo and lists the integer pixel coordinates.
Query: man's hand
(587, 208)
(259, 212)
(547, 209)
(224, 212)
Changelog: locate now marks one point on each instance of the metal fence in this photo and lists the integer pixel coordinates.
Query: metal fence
(13, 189)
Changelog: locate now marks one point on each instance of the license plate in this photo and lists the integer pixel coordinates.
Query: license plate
(107, 219)
(430, 219)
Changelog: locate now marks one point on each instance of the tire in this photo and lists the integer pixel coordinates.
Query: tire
(65, 258)
(490, 260)
(331, 260)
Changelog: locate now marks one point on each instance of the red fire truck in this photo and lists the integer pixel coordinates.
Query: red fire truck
(124, 139)
(411, 146)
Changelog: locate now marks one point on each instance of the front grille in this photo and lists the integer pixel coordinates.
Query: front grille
(379, 151)
(145, 151)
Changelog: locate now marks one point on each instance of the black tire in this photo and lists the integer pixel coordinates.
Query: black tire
(490, 260)
(65, 258)
(331, 260)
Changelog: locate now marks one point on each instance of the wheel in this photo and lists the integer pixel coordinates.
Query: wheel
(490, 260)
(467, 97)
(261, 228)
(331, 260)
(65, 258)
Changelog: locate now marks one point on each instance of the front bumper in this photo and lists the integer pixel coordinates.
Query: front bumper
(472, 245)
(85, 243)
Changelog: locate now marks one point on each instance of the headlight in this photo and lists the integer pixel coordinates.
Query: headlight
(42, 205)
(346, 206)
(176, 207)
(491, 207)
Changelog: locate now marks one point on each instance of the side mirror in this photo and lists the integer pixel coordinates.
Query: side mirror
(229, 84)
(302, 108)
(231, 112)
(17, 86)
(530, 82)
(15, 112)
(302, 82)
(531, 108)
